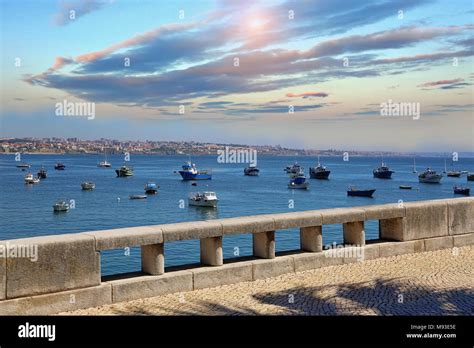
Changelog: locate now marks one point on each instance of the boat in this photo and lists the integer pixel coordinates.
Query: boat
(383, 172)
(60, 207)
(352, 191)
(251, 171)
(104, 163)
(124, 171)
(461, 190)
(294, 170)
(414, 166)
(138, 196)
(151, 187)
(429, 176)
(405, 187)
(464, 171)
(190, 172)
(298, 182)
(42, 174)
(59, 166)
(205, 199)
(454, 173)
(319, 172)
(470, 176)
(23, 165)
(30, 179)
(88, 186)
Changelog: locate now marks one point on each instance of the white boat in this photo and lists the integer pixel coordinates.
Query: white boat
(104, 163)
(88, 186)
(205, 199)
(429, 176)
(30, 179)
(61, 206)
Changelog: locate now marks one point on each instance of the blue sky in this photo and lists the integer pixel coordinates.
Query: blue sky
(290, 53)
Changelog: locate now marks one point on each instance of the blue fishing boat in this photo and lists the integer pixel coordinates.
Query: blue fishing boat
(190, 172)
(298, 182)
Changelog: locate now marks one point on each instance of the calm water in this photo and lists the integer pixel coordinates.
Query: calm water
(26, 210)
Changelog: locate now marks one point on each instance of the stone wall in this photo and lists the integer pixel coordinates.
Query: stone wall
(67, 276)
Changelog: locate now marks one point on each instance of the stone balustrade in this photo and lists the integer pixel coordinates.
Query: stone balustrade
(67, 275)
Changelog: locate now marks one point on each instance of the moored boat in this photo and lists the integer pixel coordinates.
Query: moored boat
(298, 182)
(251, 171)
(454, 173)
(405, 187)
(23, 165)
(59, 166)
(352, 191)
(30, 179)
(383, 172)
(124, 171)
(430, 176)
(138, 196)
(190, 172)
(151, 187)
(461, 190)
(205, 199)
(61, 206)
(319, 172)
(470, 176)
(294, 170)
(104, 164)
(42, 173)
(88, 186)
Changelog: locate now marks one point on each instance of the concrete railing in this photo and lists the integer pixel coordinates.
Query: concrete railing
(67, 274)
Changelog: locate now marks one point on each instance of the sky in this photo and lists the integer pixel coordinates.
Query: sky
(298, 73)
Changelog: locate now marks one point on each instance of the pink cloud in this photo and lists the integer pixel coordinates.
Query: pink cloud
(307, 95)
(440, 82)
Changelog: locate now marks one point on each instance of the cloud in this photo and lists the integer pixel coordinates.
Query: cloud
(307, 95)
(440, 82)
(72, 10)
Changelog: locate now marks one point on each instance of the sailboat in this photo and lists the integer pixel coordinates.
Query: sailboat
(414, 166)
(453, 173)
(104, 163)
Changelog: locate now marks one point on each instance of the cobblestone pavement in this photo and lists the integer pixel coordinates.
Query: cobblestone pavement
(430, 283)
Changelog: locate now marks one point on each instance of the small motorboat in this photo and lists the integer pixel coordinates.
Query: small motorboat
(298, 182)
(352, 191)
(190, 172)
(405, 187)
(454, 174)
(383, 172)
(470, 176)
(138, 196)
(251, 171)
(429, 176)
(319, 172)
(124, 171)
(30, 179)
(59, 166)
(205, 199)
(61, 207)
(42, 174)
(23, 165)
(151, 187)
(458, 190)
(86, 186)
(194, 184)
